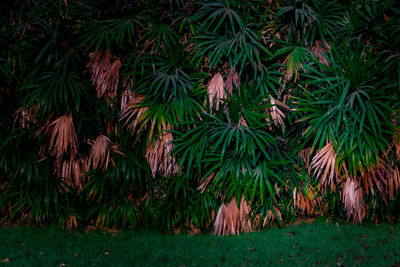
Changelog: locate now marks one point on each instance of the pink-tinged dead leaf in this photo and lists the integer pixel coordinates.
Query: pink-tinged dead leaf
(242, 122)
(25, 116)
(320, 51)
(105, 75)
(352, 198)
(106, 253)
(305, 157)
(100, 153)
(323, 164)
(5, 260)
(216, 91)
(231, 220)
(63, 139)
(202, 187)
(159, 155)
(232, 81)
(132, 111)
(275, 113)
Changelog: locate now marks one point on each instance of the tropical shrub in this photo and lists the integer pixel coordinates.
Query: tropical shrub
(221, 115)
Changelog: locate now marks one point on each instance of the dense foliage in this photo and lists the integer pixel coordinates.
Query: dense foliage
(224, 115)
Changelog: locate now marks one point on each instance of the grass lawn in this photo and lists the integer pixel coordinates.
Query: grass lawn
(318, 243)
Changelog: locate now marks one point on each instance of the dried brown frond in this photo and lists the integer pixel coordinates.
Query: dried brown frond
(352, 199)
(216, 91)
(305, 157)
(71, 171)
(127, 97)
(112, 78)
(219, 221)
(71, 223)
(306, 202)
(271, 216)
(276, 114)
(319, 50)
(385, 17)
(133, 113)
(291, 69)
(396, 141)
(63, 140)
(105, 75)
(382, 176)
(202, 187)
(25, 116)
(100, 153)
(268, 35)
(159, 156)
(232, 80)
(232, 220)
(244, 212)
(81, 166)
(242, 122)
(395, 178)
(227, 221)
(323, 164)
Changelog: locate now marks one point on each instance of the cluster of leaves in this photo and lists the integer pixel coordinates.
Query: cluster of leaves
(156, 113)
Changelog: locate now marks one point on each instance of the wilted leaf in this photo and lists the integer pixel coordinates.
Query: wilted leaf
(216, 91)
(105, 75)
(159, 155)
(63, 139)
(100, 152)
(352, 199)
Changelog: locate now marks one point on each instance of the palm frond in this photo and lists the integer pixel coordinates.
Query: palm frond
(127, 97)
(320, 49)
(216, 91)
(352, 199)
(231, 220)
(242, 122)
(383, 177)
(202, 187)
(100, 153)
(25, 116)
(396, 141)
(132, 112)
(304, 155)
(307, 201)
(72, 170)
(227, 221)
(323, 164)
(272, 215)
(105, 75)
(244, 212)
(232, 81)
(63, 139)
(294, 62)
(159, 156)
(276, 114)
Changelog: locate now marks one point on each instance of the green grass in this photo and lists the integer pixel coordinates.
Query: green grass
(312, 244)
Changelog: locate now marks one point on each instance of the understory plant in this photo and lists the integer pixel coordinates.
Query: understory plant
(223, 116)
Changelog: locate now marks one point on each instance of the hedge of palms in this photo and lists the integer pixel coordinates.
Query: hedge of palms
(219, 115)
